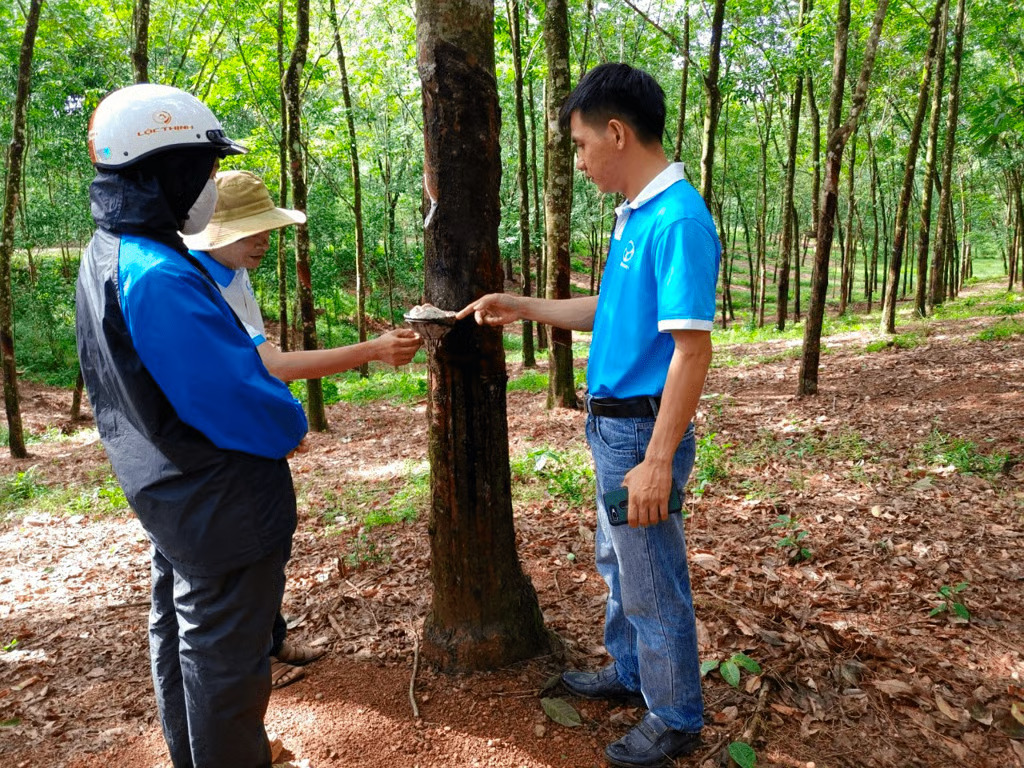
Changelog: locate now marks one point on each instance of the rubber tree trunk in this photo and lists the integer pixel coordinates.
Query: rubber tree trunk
(303, 277)
(357, 187)
(522, 176)
(282, 248)
(140, 40)
(838, 135)
(930, 160)
(899, 235)
(15, 164)
(484, 613)
(677, 155)
(788, 235)
(558, 200)
(939, 282)
(714, 102)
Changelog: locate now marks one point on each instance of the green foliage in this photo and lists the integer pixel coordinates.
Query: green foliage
(730, 668)
(10, 645)
(44, 318)
(107, 499)
(793, 536)
(529, 381)
(711, 464)
(742, 754)
(962, 454)
(364, 550)
(899, 341)
(567, 475)
(20, 488)
(411, 500)
(1004, 329)
(950, 604)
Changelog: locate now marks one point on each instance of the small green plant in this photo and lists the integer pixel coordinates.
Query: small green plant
(730, 668)
(364, 551)
(107, 499)
(10, 645)
(793, 538)
(950, 604)
(568, 474)
(21, 487)
(1004, 329)
(742, 754)
(711, 463)
(529, 381)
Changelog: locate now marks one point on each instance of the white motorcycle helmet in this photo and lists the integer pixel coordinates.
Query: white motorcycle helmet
(140, 120)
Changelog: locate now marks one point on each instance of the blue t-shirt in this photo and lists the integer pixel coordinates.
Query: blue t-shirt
(661, 275)
(203, 361)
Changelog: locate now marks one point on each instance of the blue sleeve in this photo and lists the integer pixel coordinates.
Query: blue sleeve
(686, 270)
(202, 360)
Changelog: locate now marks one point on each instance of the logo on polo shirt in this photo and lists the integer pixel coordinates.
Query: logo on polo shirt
(627, 254)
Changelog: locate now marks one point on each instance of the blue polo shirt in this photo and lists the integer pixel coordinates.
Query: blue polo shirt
(661, 276)
(206, 365)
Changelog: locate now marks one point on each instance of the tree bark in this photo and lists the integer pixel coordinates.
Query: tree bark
(786, 245)
(925, 220)
(899, 237)
(303, 278)
(837, 137)
(815, 113)
(943, 230)
(357, 188)
(282, 247)
(140, 40)
(714, 102)
(558, 200)
(522, 176)
(681, 128)
(484, 612)
(15, 164)
(846, 273)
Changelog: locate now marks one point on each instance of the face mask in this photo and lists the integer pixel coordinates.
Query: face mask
(201, 212)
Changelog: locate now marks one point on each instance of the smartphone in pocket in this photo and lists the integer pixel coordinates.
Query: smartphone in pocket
(616, 503)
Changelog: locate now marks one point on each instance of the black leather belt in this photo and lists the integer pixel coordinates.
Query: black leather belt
(629, 408)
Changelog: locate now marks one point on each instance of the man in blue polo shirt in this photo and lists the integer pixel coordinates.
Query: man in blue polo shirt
(649, 356)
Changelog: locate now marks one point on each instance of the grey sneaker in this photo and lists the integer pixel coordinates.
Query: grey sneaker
(603, 684)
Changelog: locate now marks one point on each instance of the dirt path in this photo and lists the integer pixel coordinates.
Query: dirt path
(855, 672)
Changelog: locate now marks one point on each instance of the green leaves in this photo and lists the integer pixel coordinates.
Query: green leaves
(730, 668)
(742, 754)
(562, 712)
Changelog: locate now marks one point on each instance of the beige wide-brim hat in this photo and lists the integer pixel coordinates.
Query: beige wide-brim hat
(243, 208)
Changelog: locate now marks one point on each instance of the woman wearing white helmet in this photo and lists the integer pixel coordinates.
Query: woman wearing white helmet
(196, 429)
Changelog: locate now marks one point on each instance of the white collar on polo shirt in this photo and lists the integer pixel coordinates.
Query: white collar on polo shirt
(673, 172)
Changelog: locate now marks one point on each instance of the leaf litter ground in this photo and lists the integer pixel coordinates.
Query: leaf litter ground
(854, 670)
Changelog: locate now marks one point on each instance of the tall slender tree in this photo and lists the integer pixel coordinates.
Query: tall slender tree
(357, 187)
(943, 229)
(282, 160)
(558, 199)
(140, 40)
(12, 185)
(838, 134)
(296, 155)
(522, 174)
(930, 170)
(899, 232)
(714, 102)
(484, 612)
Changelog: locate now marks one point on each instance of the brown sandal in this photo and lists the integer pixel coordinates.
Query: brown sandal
(283, 673)
(298, 653)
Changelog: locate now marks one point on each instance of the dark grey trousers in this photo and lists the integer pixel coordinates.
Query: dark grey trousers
(209, 642)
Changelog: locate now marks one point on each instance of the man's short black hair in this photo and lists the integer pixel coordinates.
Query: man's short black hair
(622, 92)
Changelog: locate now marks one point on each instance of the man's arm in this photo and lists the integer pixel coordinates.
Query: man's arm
(394, 348)
(650, 481)
(503, 308)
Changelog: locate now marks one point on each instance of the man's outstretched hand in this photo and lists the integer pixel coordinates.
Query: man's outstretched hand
(493, 309)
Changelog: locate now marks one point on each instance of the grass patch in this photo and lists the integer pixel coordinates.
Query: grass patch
(565, 475)
(1004, 329)
(396, 387)
(899, 341)
(529, 381)
(962, 454)
(711, 465)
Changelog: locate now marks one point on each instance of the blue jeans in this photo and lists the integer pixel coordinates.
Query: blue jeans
(209, 644)
(650, 628)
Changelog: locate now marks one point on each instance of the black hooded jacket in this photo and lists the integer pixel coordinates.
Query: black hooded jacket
(207, 509)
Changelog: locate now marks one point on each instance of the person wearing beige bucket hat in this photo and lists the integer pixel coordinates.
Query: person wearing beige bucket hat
(235, 241)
